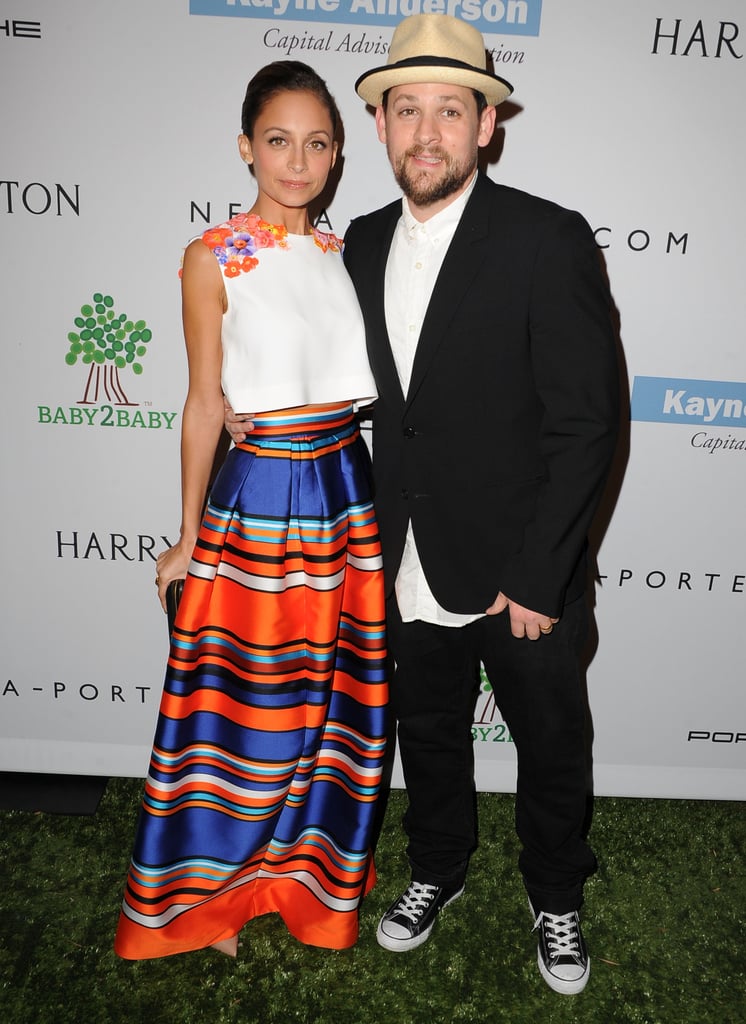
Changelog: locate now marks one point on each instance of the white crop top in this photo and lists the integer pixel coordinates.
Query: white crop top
(293, 332)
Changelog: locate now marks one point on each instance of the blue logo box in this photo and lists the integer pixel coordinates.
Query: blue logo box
(494, 17)
(678, 400)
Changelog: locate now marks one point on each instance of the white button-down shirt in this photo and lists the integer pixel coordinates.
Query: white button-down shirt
(416, 256)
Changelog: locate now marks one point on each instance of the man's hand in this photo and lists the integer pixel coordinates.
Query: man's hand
(237, 423)
(523, 622)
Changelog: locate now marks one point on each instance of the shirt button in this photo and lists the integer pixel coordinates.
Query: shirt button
(418, 266)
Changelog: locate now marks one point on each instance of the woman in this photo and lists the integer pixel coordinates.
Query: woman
(267, 755)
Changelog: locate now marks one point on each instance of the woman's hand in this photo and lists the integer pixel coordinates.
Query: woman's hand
(171, 564)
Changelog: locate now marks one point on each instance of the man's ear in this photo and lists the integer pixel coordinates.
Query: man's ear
(381, 124)
(487, 122)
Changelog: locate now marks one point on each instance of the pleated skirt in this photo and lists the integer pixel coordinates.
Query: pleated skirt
(267, 757)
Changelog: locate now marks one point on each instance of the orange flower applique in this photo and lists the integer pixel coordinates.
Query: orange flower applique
(235, 242)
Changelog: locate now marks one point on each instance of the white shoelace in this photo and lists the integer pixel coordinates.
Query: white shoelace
(415, 900)
(561, 933)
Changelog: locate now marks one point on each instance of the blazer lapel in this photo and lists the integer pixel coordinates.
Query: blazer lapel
(379, 347)
(462, 262)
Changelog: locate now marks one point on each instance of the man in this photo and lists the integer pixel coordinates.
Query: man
(489, 336)
(490, 340)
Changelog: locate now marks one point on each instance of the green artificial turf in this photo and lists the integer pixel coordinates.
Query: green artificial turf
(664, 920)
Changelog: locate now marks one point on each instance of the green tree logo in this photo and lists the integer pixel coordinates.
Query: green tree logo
(107, 342)
(486, 705)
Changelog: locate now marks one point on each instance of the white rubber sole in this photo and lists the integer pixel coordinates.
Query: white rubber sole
(402, 945)
(566, 988)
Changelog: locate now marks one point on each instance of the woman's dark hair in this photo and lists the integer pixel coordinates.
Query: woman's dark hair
(284, 76)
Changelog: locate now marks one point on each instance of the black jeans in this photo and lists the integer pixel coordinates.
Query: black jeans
(538, 687)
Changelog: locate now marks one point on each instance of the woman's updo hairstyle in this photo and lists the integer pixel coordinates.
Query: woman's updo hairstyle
(284, 76)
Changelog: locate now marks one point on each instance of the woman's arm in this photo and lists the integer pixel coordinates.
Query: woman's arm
(203, 304)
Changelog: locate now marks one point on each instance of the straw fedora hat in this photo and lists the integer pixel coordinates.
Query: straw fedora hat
(434, 48)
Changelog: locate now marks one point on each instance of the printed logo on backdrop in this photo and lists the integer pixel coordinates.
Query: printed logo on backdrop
(670, 580)
(488, 726)
(684, 401)
(207, 211)
(715, 414)
(679, 37)
(708, 404)
(14, 28)
(715, 736)
(107, 343)
(643, 239)
(109, 348)
(67, 693)
(39, 198)
(506, 17)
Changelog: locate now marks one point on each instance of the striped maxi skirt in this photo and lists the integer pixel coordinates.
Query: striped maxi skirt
(268, 750)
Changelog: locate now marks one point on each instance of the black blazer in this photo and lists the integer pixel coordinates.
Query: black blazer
(500, 449)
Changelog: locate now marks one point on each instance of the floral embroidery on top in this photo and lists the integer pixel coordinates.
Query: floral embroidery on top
(326, 241)
(235, 242)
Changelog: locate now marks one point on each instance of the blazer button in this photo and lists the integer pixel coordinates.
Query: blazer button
(404, 493)
(410, 432)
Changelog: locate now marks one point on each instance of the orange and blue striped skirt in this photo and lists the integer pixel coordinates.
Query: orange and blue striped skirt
(268, 750)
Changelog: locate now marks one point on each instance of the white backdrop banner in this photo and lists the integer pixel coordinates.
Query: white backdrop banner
(118, 128)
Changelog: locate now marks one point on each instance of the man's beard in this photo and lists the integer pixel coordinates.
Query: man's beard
(424, 190)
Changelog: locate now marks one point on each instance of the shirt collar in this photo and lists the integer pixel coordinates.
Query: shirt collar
(444, 221)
